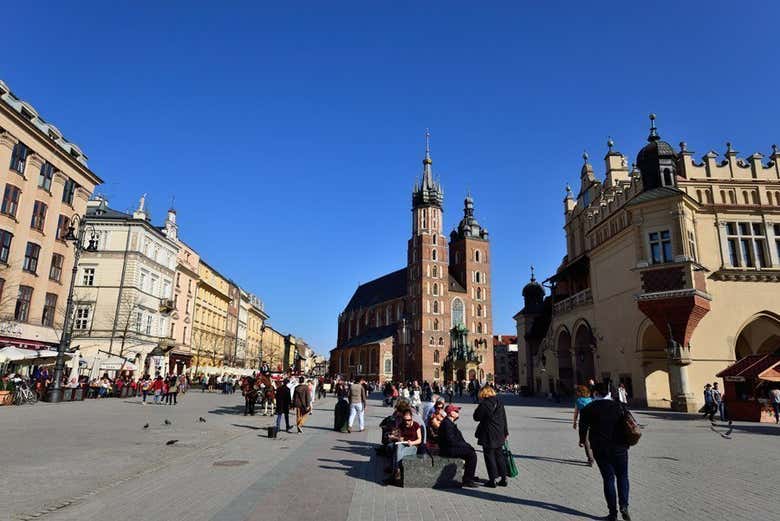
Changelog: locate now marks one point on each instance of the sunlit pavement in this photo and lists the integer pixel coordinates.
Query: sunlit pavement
(89, 460)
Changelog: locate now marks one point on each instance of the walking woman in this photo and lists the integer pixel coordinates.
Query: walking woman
(492, 432)
(583, 399)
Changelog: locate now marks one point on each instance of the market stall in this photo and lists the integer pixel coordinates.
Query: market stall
(747, 383)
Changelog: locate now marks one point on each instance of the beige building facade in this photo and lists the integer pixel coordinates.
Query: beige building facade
(45, 184)
(273, 348)
(255, 324)
(123, 296)
(671, 274)
(184, 289)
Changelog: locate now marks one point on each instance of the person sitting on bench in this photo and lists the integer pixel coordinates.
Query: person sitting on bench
(405, 441)
(452, 445)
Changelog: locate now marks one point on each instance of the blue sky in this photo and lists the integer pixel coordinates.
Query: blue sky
(291, 134)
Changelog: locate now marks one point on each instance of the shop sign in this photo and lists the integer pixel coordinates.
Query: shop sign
(734, 379)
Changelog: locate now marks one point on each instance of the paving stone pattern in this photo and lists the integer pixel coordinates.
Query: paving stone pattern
(89, 460)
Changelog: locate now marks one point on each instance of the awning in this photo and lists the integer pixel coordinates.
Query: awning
(15, 354)
(753, 367)
(115, 363)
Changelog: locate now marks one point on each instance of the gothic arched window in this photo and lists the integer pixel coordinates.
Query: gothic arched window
(457, 312)
(435, 324)
(430, 341)
(479, 310)
(441, 341)
(433, 254)
(479, 327)
(477, 256)
(435, 289)
(435, 306)
(436, 357)
(479, 293)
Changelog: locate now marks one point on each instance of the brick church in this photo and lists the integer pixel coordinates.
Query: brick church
(430, 320)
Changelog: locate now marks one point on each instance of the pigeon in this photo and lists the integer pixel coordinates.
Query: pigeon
(146, 426)
(171, 442)
(167, 421)
(202, 419)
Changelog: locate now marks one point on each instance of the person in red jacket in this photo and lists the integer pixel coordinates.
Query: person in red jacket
(157, 388)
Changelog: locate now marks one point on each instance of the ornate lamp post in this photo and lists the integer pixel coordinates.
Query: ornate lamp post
(76, 232)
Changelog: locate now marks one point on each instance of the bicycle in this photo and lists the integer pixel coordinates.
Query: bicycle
(23, 395)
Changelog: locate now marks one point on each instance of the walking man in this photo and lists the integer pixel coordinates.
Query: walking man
(283, 400)
(709, 403)
(601, 424)
(717, 397)
(302, 403)
(250, 396)
(357, 405)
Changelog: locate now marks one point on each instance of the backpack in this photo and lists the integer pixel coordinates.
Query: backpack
(631, 428)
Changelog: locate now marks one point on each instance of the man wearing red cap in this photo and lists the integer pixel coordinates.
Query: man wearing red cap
(452, 445)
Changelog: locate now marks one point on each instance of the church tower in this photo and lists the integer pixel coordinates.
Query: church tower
(470, 267)
(427, 340)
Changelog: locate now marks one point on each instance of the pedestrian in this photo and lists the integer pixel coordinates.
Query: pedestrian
(250, 396)
(774, 398)
(492, 432)
(709, 403)
(602, 423)
(302, 403)
(357, 405)
(283, 399)
(157, 388)
(146, 387)
(717, 397)
(452, 445)
(582, 401)
(623, 394)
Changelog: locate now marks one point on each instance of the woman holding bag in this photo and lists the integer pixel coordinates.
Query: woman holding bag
(492, 432)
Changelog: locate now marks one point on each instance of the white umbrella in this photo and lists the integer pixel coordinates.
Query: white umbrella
(73, 379)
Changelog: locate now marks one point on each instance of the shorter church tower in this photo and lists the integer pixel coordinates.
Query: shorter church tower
(470, 269)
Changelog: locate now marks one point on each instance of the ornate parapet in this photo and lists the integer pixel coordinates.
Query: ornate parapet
(582, 298)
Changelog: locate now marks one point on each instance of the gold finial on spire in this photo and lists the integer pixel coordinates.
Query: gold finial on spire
(427, 159)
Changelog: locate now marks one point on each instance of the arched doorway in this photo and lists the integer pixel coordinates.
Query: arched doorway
(565, 370)
(461, 375)
(584, 351)
(655, 366)
(472, 374)
(760, 336)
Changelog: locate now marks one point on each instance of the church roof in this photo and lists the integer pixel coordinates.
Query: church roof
(386, 287)
(455, 285)
(662, 192)
(370, 336)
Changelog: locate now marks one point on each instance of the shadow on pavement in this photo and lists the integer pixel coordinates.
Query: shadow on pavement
(576, 463)
(253, 427)
(488, 496)
(545, 418)
(234, 409)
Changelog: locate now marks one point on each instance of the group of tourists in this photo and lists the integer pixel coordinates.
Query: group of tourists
(164, 391)
(279, 397)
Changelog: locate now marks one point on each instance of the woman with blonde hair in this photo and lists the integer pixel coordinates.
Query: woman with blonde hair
(583, 399)
(492, 432)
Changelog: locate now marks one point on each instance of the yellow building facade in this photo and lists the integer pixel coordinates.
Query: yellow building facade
(273, 348)
(670, 275)
(212, 299)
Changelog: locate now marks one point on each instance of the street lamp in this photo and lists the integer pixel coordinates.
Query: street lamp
(75, 235)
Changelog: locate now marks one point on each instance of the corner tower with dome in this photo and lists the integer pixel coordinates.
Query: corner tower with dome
(432, 319)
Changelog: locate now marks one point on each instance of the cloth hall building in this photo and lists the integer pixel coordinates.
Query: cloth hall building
(671, 274)
(430, 320)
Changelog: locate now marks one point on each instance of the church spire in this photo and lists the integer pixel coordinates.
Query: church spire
(429, 192)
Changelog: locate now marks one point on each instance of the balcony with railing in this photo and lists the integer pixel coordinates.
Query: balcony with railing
(581, 298)
(671, 280)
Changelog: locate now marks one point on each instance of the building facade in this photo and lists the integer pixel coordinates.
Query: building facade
(273, 348)
(184, 289)
(209, 334)
(230, 354)
(432, 319)
(45, 183)
(255, 324)
(123, 294)
(505, 359)
(670, 275)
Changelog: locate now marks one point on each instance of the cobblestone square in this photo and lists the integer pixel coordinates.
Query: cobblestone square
(78, 461)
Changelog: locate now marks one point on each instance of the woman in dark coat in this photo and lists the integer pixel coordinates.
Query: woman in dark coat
(492, 432)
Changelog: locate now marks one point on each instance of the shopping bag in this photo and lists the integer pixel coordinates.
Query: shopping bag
(511, 468)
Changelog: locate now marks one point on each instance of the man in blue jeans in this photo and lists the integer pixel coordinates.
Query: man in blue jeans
(601, 421)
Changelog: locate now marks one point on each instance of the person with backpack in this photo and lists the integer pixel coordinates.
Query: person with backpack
(603, 423)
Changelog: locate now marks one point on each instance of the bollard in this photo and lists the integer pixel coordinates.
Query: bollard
(271, 432)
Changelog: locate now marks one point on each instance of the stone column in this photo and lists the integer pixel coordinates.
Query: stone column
(683, 399)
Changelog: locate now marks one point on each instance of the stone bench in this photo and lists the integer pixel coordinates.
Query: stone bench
(424, 471)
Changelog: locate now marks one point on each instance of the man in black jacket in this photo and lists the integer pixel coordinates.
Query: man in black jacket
(452, 445)
(283, 400)
(602, 421)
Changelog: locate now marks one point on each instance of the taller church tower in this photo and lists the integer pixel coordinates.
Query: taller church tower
(427, 339)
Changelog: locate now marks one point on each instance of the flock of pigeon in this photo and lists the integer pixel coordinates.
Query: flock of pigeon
(169, 422)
